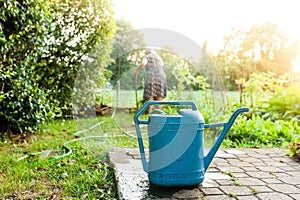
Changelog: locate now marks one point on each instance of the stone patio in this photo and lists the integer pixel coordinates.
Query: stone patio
(243, 174)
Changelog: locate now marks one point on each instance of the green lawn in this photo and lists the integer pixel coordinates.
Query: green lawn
(60, 162)
(127, 98)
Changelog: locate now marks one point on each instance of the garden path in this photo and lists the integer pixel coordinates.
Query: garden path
(233, 174)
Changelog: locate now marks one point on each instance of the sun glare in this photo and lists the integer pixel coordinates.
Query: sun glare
(209, 20)
(296, 65)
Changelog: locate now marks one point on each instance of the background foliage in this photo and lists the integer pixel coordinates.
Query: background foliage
(43, 44)
(56, 55)
(23, 28)
(261, 48)
(126, 44)
(53, 58)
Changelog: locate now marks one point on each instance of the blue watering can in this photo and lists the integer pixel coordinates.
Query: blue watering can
(176, 156)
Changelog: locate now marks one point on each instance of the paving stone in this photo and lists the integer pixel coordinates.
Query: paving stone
(133, 152)
(272, 151)
(297, 166)
(216, 176)
(243, 156)
(235, 152)
(287, 160)
(236, 190)
(271, 180)
(212, 165)
(273, 196)
(247, 197)
(252, 160)
(294, 180)
(229, 169)
(248, 150)
(159, 192)
(212, 170)
(233, 160)
(239, 175)
(260, 156)
(276, 164)
(127, 191)
(284, 188)
(250, 181)
(272, 176)
(280, 175)
(261, 163)
(218, 197)
(289, 168)
(295, 196)
(267, 160)
(260, 188)
(294, 173)
(269, 169)
(188, 194)
(211, 191)
(225, 155)
(250, 169)
(220, 151)
(219, 162)
(241, 164)
(225, 182)
(260, 175)
(208, 183)
(118, 157)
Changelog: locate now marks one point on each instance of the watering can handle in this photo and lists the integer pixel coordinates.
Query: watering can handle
(148, 103)
(137, 122)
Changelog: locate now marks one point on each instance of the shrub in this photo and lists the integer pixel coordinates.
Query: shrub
(259, 132)
(43, 44)
(284, 104)
(23, 104)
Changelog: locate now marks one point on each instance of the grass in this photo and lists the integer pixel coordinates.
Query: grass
(126, 98)
(66, 159)
(38, 166)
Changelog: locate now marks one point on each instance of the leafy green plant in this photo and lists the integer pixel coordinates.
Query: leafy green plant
(284, 104)
(294, 147)
(260, 86)
(259, 132)
(103, 97)
(42, 49)
(23, 104)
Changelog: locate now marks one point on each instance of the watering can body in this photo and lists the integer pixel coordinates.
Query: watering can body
(176, 156)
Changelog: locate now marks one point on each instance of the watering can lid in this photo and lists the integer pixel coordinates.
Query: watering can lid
(158, 111)
(192, 115)
(187, 115)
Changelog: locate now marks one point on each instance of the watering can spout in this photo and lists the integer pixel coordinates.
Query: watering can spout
(226, 127)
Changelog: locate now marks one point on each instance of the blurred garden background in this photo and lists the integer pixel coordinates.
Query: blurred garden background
(68, 93)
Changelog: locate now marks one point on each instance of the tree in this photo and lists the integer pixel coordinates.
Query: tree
(43, 44)
(79, 49)
(262, 48)
(126, 43)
